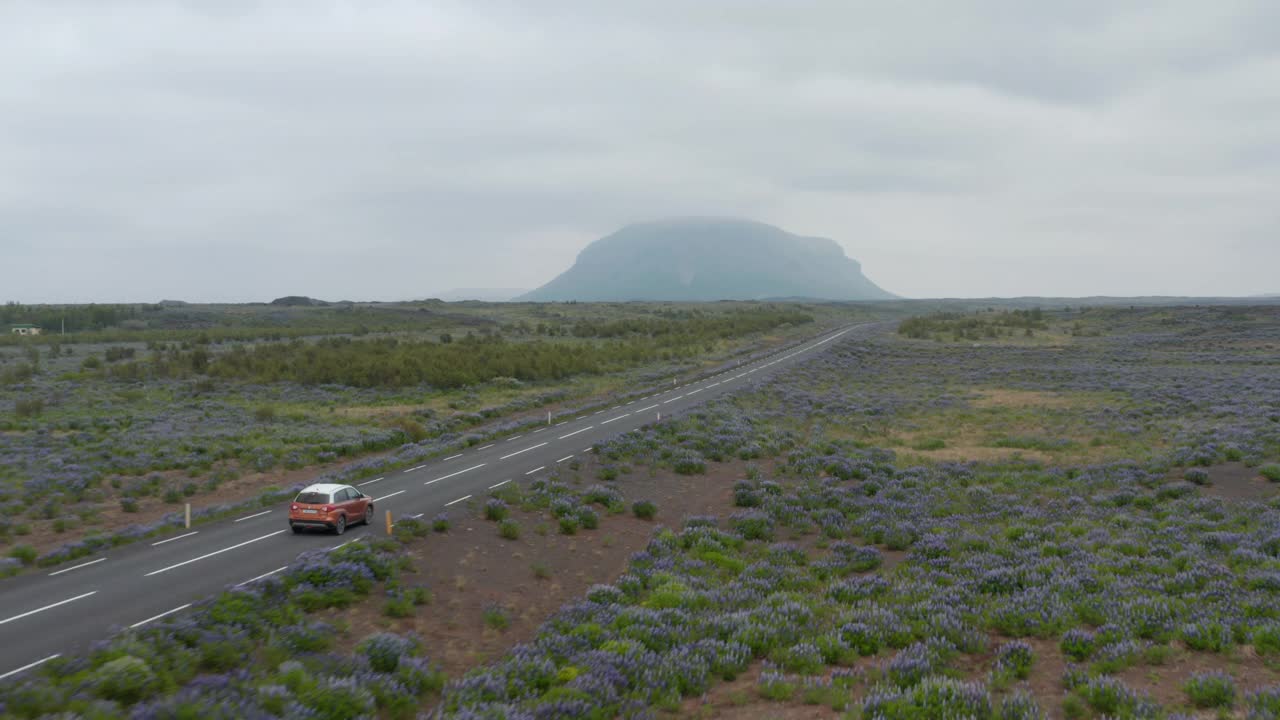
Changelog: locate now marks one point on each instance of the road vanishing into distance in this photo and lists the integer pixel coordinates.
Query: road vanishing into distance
(65, 609)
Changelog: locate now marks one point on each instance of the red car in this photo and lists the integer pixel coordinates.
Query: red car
(332, 507)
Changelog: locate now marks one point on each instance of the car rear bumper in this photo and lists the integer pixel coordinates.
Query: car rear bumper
(311, 523)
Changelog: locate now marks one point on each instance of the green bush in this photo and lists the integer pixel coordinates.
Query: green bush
(496, 617)
(568, 525)
(129, 505)
(125, 680)
(24, 553)
(644, 509)
(1271, 472)
(1211, 690)
(509, 529)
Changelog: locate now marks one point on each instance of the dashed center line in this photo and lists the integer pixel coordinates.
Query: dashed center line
(157, 617)
(647, 408)
(516, 437)
(48, 607)
(209, 555)
(415, 468)
(193, 532)
(370, 482)
(455, 502)
(544, 467)
(575, 432)
(446, 477)
(521, 452)
(498, 485)
(566, 457)
(76, 567)
(452, 457)
(250, 517)
(11, 673)
(263, 575)
(486, 447)
(384, 497)
(606, 422)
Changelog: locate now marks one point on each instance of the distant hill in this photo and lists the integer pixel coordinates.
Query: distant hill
(482, 294)
(709, 259)
(298, 300)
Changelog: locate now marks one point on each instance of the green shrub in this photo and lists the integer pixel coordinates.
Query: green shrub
(568, 525)
(398, 606)
(440, 523)
(588, 518)
(644, 509)
(1211, 690)
(129, 505)
(25, 553)
(496, 617)
(1271, 472)
(125, 680)
(509, 529)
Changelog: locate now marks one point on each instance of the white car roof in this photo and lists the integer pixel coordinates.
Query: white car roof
(326, 488)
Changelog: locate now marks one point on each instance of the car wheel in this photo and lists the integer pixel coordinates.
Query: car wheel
(297, 529)
(368, 515)
(341, 526)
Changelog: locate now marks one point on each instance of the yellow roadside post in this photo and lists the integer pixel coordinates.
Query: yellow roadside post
(388, 522)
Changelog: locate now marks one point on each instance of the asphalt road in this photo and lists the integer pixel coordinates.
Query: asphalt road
(65, 608)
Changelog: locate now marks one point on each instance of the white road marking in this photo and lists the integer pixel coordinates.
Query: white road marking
(647, 408)
(544, 467)
(209, 555)
(606, 422)
(486, 447)
(504, 482)
(664, 402)
(597, 412)
(250, 517)
(575, 432)
(341, 545)
(566, 457)
(713, 384)
(419, 467)
(539, 430)
(11, 673)
(521, 452)
(48, 607)
(562, 422)
(263, 575)
(370, 482)
(415, 517)
(691, 392)
(157, 617)
(446, 477)
(455, 502)
(77, 567)
(384, 497)
(516, 437)
(452, 457)
(193, 532)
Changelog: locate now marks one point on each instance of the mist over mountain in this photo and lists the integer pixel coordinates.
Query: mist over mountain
(709, 259)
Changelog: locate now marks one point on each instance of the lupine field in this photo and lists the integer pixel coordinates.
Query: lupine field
(1079, 522)
(109, 430)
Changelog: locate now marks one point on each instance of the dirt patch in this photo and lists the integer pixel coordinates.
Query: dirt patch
(471, 568)
(1237, 481)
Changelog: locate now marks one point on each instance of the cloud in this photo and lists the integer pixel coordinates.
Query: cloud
(393, 149)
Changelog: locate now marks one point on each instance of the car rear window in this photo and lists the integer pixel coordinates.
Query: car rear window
(313, 498)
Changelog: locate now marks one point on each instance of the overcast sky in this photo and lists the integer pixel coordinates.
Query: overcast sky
(239, 151)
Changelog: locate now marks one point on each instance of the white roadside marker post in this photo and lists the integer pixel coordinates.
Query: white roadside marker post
(187, 520)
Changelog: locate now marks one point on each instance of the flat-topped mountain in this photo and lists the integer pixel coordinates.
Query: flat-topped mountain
(709, 259)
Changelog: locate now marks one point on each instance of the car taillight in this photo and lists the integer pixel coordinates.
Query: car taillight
(328, 508)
